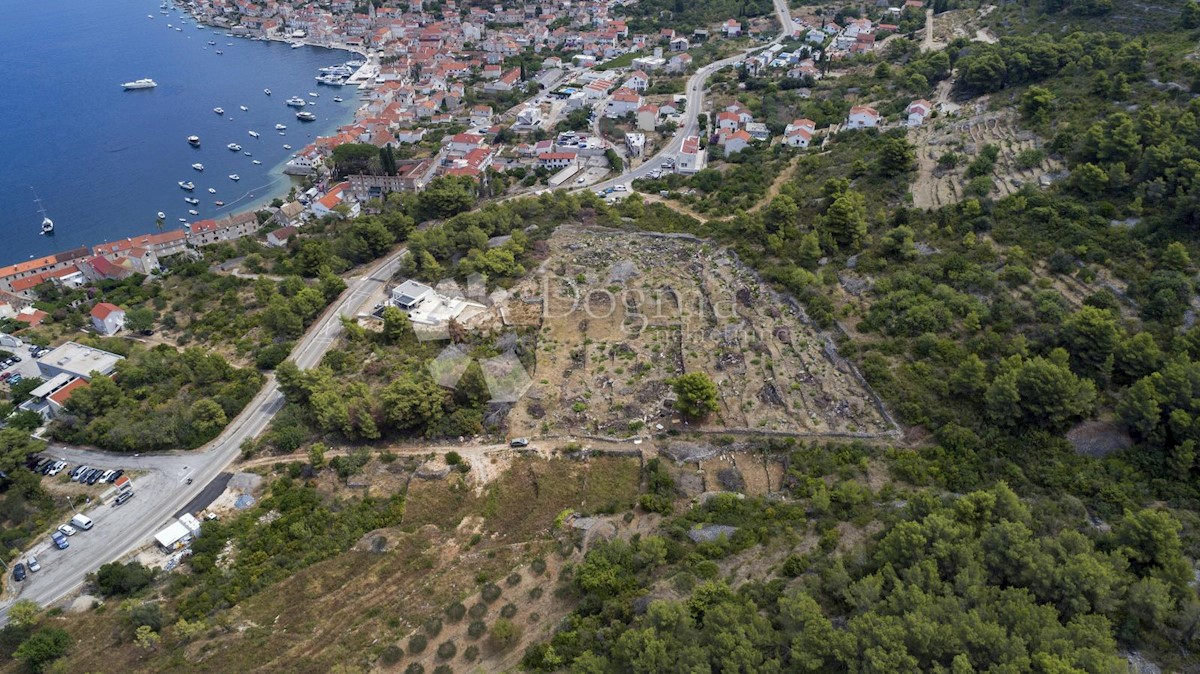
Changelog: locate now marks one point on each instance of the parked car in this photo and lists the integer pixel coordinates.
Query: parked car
(60, 541)
(78, 473)
(122, 498)
(34, 565)
(56, 468)
(119, 473)
(19, 572)
(94, 476)
(519, 442)
(15, 379)
(68, 530)
(106, 475)
(621, 188)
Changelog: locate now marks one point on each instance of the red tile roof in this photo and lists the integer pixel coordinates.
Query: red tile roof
(103, 309)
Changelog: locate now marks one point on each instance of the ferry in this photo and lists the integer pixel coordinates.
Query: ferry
(296, 102)
(234, 176)
(306, 116)
(253, 134)
(144, 83)
(234, 147)
(188, 185)
(219, 111)
(198, 166)
(280, 127)
(194, 141)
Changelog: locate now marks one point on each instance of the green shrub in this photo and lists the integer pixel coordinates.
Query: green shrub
(535, 593)
(456, 611)
(476, 629)
(447, 650)
(443, 669)
(478, 610)
(417, 643)
(433, 626)
(508, 611)
(415, 668)
(391, 655)
(490, 592)
(513, 579)
(470, 653)
(538, 565)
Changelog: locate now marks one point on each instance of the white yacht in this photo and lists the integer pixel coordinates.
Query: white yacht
(314, 94)
(256, 162)
(267, 92)
(191, 200)
(296, 102)
(287, 147)
(234, 176)
(219, 111)
(198, 166)
(194, 141)
(280, 127)
(212, 190)
(337, 99)
(244, 108)
(304, 116)
(144, 83)
(193, 211)
(187, 185)
(253, 134)
(234, 147)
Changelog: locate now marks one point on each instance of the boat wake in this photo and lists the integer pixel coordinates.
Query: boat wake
(249, 194)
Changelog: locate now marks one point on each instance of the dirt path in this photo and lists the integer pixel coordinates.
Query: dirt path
(776, 185)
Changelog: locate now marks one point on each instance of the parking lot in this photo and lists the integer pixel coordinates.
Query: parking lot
(25, 368)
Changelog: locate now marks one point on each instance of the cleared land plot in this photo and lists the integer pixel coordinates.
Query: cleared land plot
(623, 313)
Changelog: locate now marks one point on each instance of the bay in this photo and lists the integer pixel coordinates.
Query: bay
(105, 161)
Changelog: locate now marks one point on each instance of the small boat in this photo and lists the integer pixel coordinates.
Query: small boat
(314, 94)
(168, 25)
(219, 52)
(297, 102)
(337, 99)
(187, 185)
(257, 162)
(149, 16)
(193, 211)
(287, 147)
(228, 44)
(191, 200)
(183, 219)
(211, 42)
(297, 45)
(234, 176)
(219, 111)
(47, 223)
(253, 134)
(247, 153)
(144, 83)
(280, 127)
(198, 166)
(194, 141)
(219, 203)
(355, 64)
(283, 133)
(234, 147)
(180, 30)
(267, 92)
(305, 116)
(161, 215)
(244, 108)
(212, 190)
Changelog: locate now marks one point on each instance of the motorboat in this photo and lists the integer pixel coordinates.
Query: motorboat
(314, 94)
(253, 134)
(267, 92)
(180, 30)
(219, 111)
(191, 200)
(256, 162)
(296, 102)
(194, 141)
(337, 99)
(234, 147)
(183, 219)
(356, 63)
(244, 108)
(219, 52)
(219, 203)
(193, 211)
(283, 133)
(187, 185)
(212, 190)
(247, 153)
(198, 166)
(304, 116)
(211, 42)
(297, 45)
(144, 83)
(234, 176)
(287, 147)
(161, 215)
(280, 127)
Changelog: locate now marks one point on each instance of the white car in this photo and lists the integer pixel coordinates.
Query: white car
(580, 181)
(68, 530)
(34, 565)
(621, 188)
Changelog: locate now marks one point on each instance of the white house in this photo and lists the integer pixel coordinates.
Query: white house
(636, 142)
(727, 121)
(623, 102)
(799, 133)
(917, 111)
(731, 28)
(691, 156)
(410, 295)
(735, 141)
(862, 117)
(279, 238)
(556, 160)
(108, 319)
(638, 81)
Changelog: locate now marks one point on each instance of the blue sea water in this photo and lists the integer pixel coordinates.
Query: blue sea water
(105, 161)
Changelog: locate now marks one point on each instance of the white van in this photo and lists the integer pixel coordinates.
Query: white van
(82, 521)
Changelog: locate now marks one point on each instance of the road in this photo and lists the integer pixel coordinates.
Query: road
(162, 488)
(695, 101)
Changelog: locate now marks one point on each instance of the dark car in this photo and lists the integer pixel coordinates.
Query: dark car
(19, 572)
(122, 498)
(119, 472)
(95, 476)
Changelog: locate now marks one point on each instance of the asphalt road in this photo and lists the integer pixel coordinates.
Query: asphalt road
(162, 486)
(695, 101)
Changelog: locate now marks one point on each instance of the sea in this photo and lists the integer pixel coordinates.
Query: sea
(103, 161)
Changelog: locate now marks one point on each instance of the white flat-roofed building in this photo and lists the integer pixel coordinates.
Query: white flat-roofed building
(77, 360)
